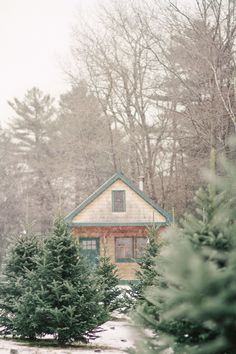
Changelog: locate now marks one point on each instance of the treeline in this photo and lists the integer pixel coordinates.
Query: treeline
(51, 158)
(152, 93)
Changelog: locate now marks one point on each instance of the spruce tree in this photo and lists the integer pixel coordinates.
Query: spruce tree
(64, 298)
(145, 275)
(147, 271)
(109, 281)
(194, 309)
(207, 228)
(20, 262)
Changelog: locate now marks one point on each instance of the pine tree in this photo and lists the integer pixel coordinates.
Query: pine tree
(64, 298)
(20, 262)
(145, 274)
(82, 123)
(10, 200)
(194, 312)
(147, 271)
(207, 227)
(33, 130)
(109, 280)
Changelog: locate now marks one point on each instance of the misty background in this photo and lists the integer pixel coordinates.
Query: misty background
(36, 38)
(146, 88)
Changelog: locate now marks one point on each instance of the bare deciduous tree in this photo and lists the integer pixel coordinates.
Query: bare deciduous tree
(124, 77)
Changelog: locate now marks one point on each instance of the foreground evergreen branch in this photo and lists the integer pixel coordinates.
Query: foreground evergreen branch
(191, 305)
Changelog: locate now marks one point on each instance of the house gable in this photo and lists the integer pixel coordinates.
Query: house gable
(97, 208)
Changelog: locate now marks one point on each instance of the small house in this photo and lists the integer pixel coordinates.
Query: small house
(115, 219)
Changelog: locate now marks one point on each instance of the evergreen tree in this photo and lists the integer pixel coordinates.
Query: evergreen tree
(194, 311)
(20, 262)
(207, 228)
(64, 298)
(82, 122)
(109, 280)
(145, 274)
(33, 129)
(148, 271)
(10, 198)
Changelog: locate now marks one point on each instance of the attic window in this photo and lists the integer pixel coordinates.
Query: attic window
(118, 201)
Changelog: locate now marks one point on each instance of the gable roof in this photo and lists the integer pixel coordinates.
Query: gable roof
(108, 183)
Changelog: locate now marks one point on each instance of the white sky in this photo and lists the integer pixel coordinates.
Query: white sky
(35, 41)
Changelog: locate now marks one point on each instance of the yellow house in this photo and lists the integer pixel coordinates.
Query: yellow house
(115, 218)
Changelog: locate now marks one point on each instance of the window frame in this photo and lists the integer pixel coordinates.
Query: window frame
(90, 244)
(92, 254)
(113, 200)
(133, 259)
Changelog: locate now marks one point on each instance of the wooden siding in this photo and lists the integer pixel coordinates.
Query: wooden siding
(137, 209)
(107, 236)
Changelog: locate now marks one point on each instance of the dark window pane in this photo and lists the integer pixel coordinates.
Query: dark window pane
(118, 201)
(140, 245)
(124, 247)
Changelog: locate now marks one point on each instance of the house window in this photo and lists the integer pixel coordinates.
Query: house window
(128, 249)
(140, 244)
(89, 244)
(118, 201)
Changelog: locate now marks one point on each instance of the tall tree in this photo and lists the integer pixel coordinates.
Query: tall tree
(196, 52)
(32, 130)
(164, 74)
(84, 141)
(124, 77)
(12, 213)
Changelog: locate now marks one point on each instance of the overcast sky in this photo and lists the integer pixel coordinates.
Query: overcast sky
(35, 41)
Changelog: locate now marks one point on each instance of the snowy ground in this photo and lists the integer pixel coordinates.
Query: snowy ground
(117, 336)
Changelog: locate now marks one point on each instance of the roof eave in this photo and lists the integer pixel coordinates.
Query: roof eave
(108, 183)
(121, 224)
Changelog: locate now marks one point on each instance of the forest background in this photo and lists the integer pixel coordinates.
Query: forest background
(152, 93)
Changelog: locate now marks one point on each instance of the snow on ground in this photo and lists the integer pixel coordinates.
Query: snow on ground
(116, 338)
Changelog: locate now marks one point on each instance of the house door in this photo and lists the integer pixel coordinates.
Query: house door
(90, 248)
